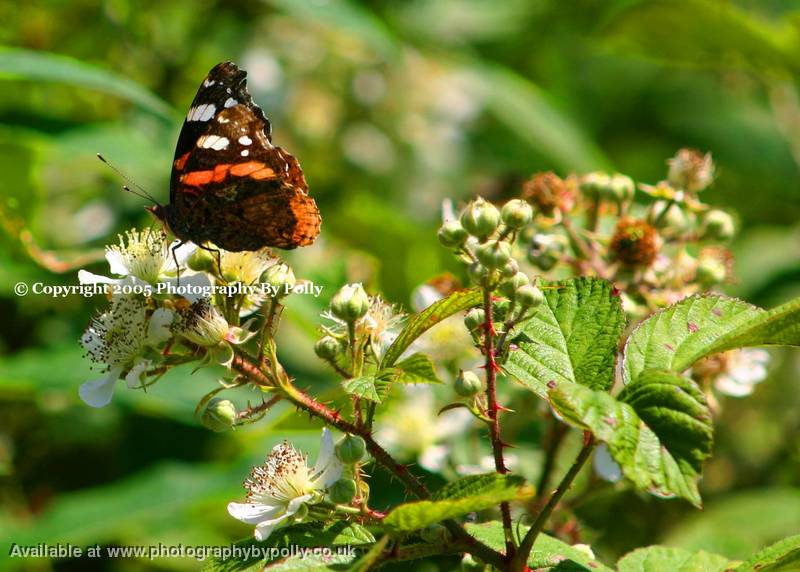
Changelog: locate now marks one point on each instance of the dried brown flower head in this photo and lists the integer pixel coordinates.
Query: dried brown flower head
(690, 170)
(548, 192)
(635, 243)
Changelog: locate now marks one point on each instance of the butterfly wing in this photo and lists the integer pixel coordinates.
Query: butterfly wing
(229, 184)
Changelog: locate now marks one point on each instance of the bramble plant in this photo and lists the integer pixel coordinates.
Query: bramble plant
(592, 293)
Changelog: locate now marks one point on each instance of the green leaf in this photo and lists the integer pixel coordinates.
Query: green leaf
(659, 430)
(655, 558)
(429, 317)
(367, 387)
(470, 494)
(313, 563)
(699, 326)
(575, 335)
(783, 556)
(769, 513)
(18, 63)
(417, 368)
(372, 556)
(337, 534)
(548, 552)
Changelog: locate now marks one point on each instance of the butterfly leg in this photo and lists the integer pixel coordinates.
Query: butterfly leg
(175, 259)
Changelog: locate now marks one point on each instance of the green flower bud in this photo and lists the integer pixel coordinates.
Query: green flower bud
(467, 384)
(509, 269)
(509, 287)
(621, 188)
(351, 449)
(219, 415)
(710, 271)
(478, 272)
(202, 261)
(280, 278)
(327, 348)
(452, 234)
(480, 218)
(350, 303)
(493, 254)
(500, 310)
(475, 319)
(595, 185)
(529, 296)
(546, 250)
(516, 213)
(342, 491)
(718, 225)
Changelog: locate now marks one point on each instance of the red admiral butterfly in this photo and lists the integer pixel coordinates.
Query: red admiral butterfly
(230, 185)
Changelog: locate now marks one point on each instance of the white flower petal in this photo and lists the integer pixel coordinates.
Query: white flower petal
(85, 277)
(732, 387)
(295, 504)
(134, 377)
(253, 513)
(116, 263)
(98, 392)
(158, 329)
(182, 253)
(328, 468)
(264, 529)
(423, 296)
(193, 286)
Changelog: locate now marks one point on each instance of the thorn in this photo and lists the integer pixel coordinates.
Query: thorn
(504, 408)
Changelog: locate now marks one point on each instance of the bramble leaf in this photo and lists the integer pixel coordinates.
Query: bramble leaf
(574, 337)
(429, 317)
(548, 552)
(699, 326)
(783, 556)
(659, 429)
(469, 494)
(369, 387)
(417, 368)
(676, 559)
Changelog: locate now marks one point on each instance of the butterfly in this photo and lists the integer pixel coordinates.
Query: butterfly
(230, 185)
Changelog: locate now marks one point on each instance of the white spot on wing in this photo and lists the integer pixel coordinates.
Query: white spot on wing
(245, 153)
(214, 142)
(245, 140)
(202, 112)
(230, 102)
(208, 82)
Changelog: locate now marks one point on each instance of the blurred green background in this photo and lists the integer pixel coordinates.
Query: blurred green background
(390, 108)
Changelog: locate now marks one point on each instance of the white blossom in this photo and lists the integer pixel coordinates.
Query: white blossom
(744, 369)
(117, 339)
(284, 484)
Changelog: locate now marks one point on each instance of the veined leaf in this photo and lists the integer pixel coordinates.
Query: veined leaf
(300, 535)
(675, 559)
(417, 368)
(367, 387)
(476, 492)
(32, 65)
(574, 337)
(429, 317)
(548, 552)
(659, 430)
(699, 326)
(783, 556)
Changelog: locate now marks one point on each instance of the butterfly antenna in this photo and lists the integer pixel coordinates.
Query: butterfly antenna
(141, 191)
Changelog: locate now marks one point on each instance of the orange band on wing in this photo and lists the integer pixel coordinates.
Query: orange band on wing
(265, 173)
(221, 171)
(180, 162)
(197, 178)
(244, 169)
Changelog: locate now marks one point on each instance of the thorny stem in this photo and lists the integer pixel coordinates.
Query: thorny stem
(262, 408)
(494, 413)
(519, 562)
(245, 365)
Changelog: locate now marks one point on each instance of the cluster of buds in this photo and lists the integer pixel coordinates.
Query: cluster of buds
(657, 243)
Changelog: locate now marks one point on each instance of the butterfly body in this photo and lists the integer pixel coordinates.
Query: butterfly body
(230, 185)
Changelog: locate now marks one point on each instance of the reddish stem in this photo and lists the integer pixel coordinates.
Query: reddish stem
(493, 412)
